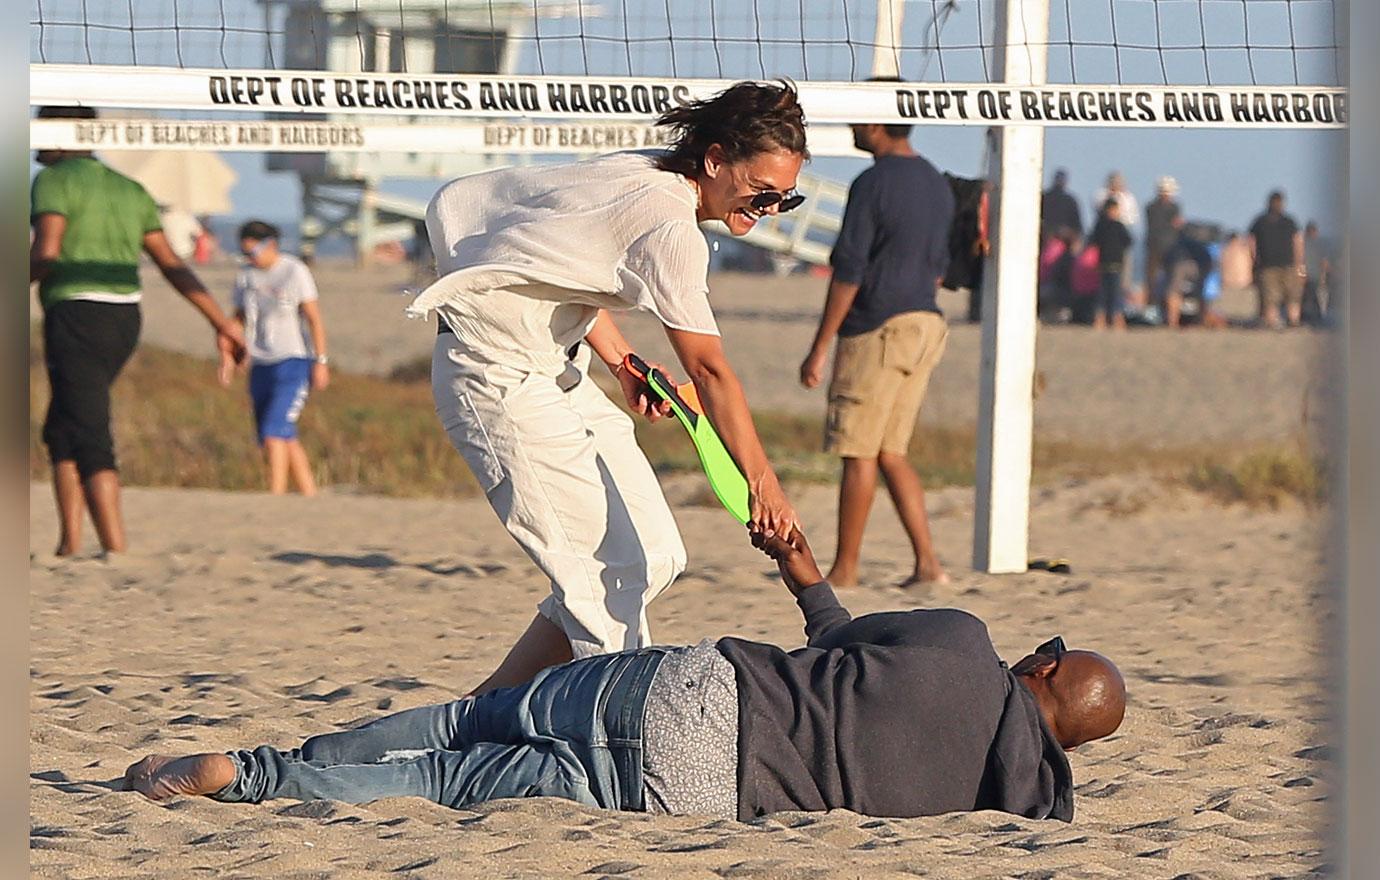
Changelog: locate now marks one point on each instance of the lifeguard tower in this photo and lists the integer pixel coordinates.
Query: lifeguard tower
(340, 190)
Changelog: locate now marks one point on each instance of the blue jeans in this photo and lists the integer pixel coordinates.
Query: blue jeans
(574, 732)
(1109, 296)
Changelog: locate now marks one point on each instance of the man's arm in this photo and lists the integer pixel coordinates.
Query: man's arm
(828, 624)
(796, 562)
(824, 613)
(229, 361)
(47, 245)
(184, 280)
(836, 306)
(849, 260)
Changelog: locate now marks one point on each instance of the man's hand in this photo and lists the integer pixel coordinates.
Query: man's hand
(231, 357)
(226, 371)
(320, 376)
(231, 342)
(638, 395)
(812, 368)
(794, 560)
(233, 333)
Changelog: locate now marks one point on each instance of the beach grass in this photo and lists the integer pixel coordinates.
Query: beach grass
(175, 426)
(1266, 477)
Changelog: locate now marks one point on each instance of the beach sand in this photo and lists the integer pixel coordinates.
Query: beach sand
(242, 619)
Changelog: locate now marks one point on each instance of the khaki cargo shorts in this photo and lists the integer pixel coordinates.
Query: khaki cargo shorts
(879, 382)
(1280, 284)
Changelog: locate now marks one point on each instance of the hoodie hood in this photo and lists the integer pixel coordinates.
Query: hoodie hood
(1027, 771)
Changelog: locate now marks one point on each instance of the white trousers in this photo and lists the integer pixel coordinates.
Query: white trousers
(562, 469)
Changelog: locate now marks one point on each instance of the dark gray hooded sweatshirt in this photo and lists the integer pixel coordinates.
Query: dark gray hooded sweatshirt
(895, 714)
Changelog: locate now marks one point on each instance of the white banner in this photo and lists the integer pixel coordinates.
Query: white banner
(634, 99)
(469, 136)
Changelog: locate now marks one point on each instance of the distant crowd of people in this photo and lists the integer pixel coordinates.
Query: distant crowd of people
(1086, 272)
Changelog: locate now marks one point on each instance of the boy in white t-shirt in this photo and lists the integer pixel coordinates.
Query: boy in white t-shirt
(275, 300)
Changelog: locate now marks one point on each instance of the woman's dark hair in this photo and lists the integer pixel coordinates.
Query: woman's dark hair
(744, 119)
(258, 230)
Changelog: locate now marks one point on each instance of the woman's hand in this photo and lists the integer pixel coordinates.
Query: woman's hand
(320, 376)
(639, 396)
(771, 513)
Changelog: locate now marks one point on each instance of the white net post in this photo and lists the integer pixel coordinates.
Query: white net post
(1005, 401)
(886, 56)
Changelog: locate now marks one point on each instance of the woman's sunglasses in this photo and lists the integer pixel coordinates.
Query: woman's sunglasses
(785, 201)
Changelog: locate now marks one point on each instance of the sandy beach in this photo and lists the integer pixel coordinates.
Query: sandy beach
(241, 619)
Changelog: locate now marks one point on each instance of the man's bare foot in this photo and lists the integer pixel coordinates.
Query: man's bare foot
(842, 580)
(159, 777)
(926, 576)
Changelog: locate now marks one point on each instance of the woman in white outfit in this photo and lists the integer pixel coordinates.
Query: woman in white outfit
(533, 262)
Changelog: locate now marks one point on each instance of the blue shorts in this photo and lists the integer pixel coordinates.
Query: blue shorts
(279, 392)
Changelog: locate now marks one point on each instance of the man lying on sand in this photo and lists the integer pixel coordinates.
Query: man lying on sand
(906, 713)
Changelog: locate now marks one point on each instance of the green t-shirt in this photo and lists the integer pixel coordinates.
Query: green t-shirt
(107, 217)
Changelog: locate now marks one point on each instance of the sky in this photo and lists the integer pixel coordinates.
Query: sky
(1224, 175)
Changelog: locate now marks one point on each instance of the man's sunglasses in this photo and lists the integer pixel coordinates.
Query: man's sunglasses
(785, 201)
(1052, 648)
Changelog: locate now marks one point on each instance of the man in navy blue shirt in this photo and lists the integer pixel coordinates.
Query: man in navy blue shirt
(888, 263)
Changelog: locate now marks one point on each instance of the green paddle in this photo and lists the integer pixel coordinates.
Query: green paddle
(725, 479)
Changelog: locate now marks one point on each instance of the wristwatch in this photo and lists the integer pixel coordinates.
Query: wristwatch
(323, 359)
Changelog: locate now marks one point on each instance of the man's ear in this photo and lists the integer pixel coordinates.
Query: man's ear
(1036, 666)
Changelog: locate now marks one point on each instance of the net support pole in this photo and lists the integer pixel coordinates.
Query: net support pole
(1005, 400)
(886, 55)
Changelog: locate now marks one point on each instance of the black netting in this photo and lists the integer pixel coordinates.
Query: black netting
(1209, 42)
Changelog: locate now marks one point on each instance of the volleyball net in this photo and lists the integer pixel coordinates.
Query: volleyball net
(307, 75)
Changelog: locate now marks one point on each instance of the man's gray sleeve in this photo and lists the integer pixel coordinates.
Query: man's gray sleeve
(822, 610)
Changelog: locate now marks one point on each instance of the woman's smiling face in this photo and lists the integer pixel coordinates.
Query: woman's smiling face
(728, 188)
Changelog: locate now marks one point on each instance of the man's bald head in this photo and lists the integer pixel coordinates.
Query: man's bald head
(1081, 694)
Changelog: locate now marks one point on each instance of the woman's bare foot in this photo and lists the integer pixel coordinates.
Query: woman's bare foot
(159, 777)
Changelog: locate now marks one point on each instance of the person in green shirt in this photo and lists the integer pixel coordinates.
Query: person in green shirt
(90, 227)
